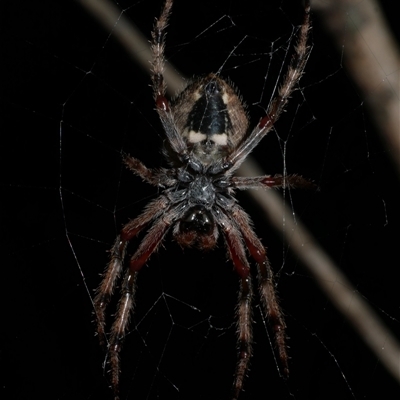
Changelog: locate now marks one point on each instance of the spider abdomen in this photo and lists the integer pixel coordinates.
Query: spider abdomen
(197, 228)
(198, 219)
(210, 117)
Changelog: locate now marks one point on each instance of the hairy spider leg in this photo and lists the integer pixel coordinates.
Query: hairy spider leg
(165, 217)
(106, 288)
(267, 288)
(273, 182)
(176, 141)
(115, 265)
(157, 47)
(125, 308)
(139, 169)
(278, 104)
(235, 232)
(245, 334)
(234, 243)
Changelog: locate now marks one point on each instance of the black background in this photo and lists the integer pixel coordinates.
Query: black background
(72, 101)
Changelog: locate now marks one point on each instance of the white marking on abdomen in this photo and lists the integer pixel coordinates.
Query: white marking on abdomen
(196, 137)
(220, 139)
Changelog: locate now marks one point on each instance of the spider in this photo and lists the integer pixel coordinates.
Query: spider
(207, 139)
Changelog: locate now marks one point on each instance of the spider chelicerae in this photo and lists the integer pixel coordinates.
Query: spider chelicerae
(207, 139)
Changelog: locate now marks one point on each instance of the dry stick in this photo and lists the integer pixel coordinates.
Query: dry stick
(332, 281)
(135, 43)
(371, 56)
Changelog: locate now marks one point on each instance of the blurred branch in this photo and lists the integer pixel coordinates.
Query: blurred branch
(371, 56)
(135, 43)
(331, 280)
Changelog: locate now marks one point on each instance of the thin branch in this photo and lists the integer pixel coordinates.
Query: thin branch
(136, 44)
(372, 57)
(332, 281)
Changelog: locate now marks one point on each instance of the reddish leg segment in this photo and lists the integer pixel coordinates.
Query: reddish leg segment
(114, 267)
(266, 286)
(150, 243)
(237, 254)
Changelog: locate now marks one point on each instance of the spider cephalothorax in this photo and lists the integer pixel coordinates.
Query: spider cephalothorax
(207, 139)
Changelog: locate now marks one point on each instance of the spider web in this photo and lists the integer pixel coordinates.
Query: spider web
(73, 102)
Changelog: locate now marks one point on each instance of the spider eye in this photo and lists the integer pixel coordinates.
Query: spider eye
(198, 219)
(212, 88)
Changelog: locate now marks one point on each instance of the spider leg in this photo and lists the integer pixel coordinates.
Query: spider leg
(150, 243)
(176, 141)
(245, 334)
(268, 181)
(114, 267)
(237, 254)
(147, 247)
(107, 285)
(158, 47)
(266, 286)
(162, 178)
(125, 309)
(278, 104)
